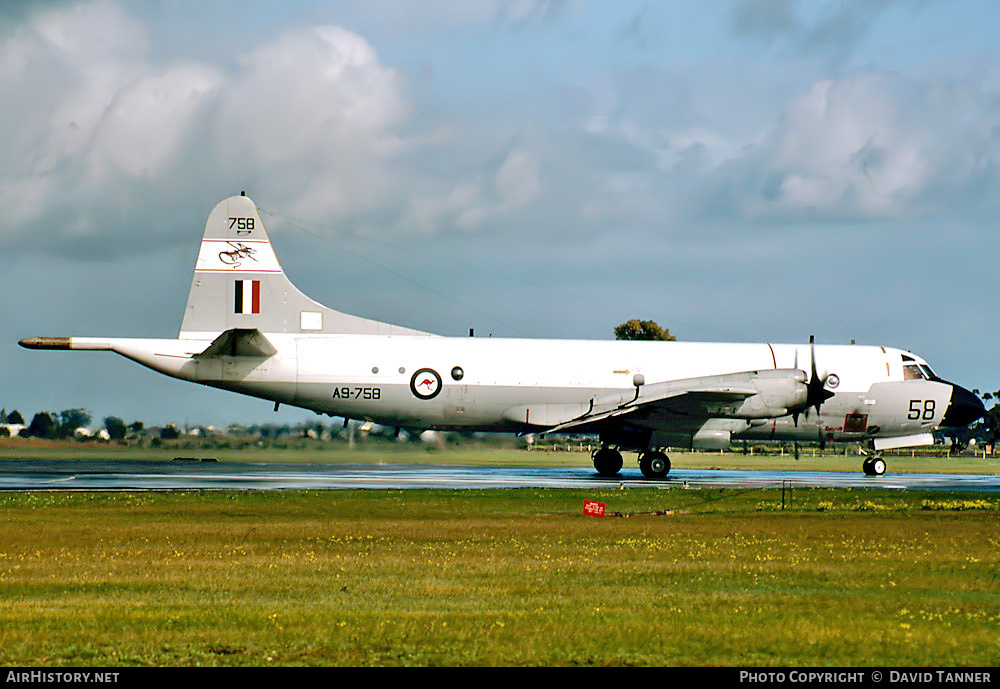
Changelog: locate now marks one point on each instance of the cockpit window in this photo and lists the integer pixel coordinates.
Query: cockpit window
(914, 372)
(928, 373)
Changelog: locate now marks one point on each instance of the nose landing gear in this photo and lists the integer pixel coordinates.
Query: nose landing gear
(873, 465)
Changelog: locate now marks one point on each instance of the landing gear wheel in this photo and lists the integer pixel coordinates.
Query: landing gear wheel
(873, 466)
(608, 462)
(654, 464)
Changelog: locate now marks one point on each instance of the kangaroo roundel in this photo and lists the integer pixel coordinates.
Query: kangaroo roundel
(425, 383)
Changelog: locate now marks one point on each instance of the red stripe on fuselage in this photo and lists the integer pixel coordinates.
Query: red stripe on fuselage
(774, 423)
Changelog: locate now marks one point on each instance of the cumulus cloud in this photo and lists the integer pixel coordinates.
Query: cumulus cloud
(513, 183)
(57, 78)
(519, 12)
(316, 114)
(871, 145)
(867, 145)
(308, 93)
(125, 147)
(149, 121)
(312, 116)
(517, 179)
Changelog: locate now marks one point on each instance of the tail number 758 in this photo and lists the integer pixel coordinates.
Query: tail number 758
(921, 409)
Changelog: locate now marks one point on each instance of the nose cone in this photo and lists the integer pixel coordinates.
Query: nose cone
(963, 409)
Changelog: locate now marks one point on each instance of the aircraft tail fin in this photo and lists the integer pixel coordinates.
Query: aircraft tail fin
(239, 284)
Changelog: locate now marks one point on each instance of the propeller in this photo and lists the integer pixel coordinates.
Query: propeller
(992, 421)
(957, 444)
(816, 392)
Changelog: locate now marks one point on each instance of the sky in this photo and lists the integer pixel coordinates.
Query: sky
(736, 170)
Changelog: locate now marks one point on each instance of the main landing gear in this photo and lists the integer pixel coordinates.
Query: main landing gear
(607, 461)
(652, 463)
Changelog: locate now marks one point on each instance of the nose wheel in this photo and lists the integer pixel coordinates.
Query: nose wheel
(874, 465)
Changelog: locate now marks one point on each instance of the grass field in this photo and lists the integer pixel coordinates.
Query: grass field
(519, 577)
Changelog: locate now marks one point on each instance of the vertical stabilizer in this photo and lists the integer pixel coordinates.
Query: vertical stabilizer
(238, 283)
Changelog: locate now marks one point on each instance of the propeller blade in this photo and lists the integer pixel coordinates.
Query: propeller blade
(816, 392)
(993, 426)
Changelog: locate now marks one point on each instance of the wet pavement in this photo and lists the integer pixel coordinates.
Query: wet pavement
(25, 474)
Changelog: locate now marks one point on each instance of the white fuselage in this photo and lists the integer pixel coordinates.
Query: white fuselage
(503, 380)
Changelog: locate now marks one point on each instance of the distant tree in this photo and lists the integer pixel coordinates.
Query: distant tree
(4, 432)
(15, 417)
(135, 426)
(3, 415)
(642, 330)
(70, 420)
(115, 427)
(170, 432)
(42, 426)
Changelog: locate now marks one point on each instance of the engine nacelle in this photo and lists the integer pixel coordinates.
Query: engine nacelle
(710, 439)
(778, 393)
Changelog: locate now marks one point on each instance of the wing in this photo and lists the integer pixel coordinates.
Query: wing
(690, 402)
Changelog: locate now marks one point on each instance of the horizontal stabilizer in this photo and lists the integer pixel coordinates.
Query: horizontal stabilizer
(239, 342)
